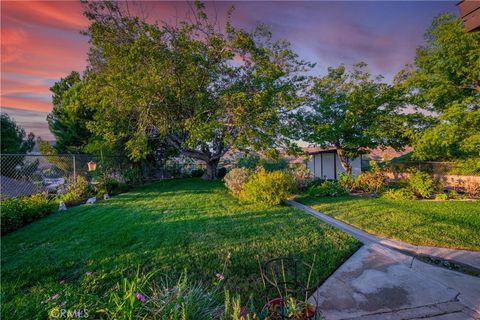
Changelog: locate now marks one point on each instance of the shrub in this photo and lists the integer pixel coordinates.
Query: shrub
(441, 196)
(348, 182)
(327, 189)
(111, 186)
(77, 191)
(17, 212)
(454, 195)
(421, 184)
(399, 194)
(268, 188)
(132, 175)
(302, 176)
(236, 178)
(372, 180)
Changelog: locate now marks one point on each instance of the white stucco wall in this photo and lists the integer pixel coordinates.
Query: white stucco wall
(323, 165)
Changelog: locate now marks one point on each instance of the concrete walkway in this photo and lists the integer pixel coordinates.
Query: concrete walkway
(380, 281)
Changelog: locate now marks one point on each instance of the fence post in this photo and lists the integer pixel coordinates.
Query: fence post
(74, 171)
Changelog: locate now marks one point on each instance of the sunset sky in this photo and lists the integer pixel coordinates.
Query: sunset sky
(41, 41)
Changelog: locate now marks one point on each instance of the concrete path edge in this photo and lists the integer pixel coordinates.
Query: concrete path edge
(465, 257)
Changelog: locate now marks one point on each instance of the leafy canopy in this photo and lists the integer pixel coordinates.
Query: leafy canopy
(352, 112)
(201, 90)
(445, 80)
(14, 139)
(70, 115)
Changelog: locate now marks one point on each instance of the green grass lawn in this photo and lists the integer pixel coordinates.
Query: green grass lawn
(169, 227)
(451, 224)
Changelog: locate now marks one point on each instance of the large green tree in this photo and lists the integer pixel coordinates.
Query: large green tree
(352, 112)
(13, 140)
(70, 115)
(445, 82)
(200, 89)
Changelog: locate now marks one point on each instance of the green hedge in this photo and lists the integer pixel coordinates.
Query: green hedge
(17, 212)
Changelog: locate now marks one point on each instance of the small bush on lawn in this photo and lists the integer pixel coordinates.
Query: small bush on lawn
(302, 176)
(268, 188)
(421, 184)
(17, 212)
(236, 178)
(77, 191)
(372, 180)
(441, 196)
(399, 194)
(327, 189)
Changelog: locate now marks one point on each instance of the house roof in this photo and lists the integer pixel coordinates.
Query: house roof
(317, 150)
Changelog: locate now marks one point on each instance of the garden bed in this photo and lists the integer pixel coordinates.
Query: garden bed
(170, 227)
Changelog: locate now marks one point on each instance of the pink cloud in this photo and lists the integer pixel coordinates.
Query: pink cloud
(54, 14)
(12, 87)
(25, 103)
(41, 41)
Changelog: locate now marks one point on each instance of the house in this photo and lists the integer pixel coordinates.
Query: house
(470, 13)
(325, 163)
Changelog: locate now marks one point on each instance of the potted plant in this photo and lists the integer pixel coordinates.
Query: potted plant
(289, 308)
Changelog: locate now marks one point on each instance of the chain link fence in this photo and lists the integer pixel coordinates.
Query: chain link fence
(23, 175)
(29, 174)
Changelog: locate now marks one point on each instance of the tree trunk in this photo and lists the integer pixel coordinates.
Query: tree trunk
(211, 170)
(345, 162)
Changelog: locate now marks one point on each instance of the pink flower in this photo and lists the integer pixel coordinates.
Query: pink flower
(220, 276)
(62, 281)
(55, 296)
(141, 297)
(88, 274)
